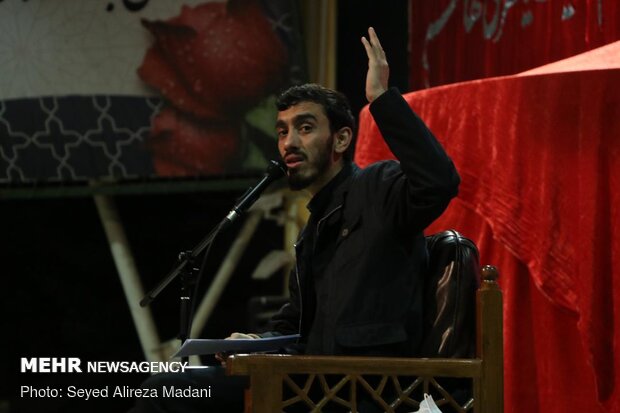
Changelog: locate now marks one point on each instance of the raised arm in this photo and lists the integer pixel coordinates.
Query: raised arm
(420, 188)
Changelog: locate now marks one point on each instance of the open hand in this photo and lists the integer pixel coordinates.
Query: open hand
(378, 68)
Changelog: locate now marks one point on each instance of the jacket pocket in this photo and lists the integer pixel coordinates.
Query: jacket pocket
(370, 334)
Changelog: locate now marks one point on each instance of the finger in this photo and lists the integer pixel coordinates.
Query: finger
(372, 53)
(368, 48)
(374, 41)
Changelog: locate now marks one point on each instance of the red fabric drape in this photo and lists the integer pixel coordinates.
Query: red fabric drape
(539, 162)
(540, 158)
(454, 40)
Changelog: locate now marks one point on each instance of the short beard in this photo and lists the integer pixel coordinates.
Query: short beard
(298, 181)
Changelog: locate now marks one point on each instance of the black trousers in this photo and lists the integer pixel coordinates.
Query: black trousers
(225, 392)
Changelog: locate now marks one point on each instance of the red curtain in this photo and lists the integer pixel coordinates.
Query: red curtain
(539, 158)
(458, 40)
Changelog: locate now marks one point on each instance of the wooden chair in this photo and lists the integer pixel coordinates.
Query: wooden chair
(281, 382)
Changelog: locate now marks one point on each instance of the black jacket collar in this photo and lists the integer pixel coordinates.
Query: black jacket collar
(332, 195)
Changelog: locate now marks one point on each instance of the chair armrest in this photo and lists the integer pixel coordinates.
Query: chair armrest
(248, 364)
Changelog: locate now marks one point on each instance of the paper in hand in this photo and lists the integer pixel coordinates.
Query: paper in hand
(196, 347)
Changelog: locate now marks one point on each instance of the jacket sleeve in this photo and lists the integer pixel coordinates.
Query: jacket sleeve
(412, 194)
(286, 320)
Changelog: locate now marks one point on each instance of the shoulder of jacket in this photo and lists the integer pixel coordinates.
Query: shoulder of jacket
(365, 181)
(377, 169)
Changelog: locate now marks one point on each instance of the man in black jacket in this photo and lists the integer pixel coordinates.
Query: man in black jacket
(357, 285)
(356, 289)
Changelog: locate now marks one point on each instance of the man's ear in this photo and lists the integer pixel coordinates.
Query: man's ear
(342, 140)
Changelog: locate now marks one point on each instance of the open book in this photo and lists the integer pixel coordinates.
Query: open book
(196, 347)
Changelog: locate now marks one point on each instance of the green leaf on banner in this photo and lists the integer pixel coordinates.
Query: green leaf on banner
(263, 116)
(254, 158)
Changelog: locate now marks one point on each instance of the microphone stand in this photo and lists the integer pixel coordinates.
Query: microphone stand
(185, 267)
(184, 260)
(186, 270)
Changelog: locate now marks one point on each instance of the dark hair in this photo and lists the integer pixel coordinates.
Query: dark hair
(335, 104)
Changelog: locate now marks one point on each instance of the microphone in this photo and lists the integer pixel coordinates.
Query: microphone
(275, 170)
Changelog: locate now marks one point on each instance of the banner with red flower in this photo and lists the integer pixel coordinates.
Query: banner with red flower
(128, 90)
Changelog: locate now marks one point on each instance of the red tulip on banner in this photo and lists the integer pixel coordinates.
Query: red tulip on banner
(184, 146)
(213, 60)
(212, 63)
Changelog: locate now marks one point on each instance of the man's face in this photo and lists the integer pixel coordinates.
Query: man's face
(306, 142)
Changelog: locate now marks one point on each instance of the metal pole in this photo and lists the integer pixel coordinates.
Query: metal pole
(130, 279)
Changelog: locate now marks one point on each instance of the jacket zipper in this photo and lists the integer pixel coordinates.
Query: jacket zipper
(301, 302)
